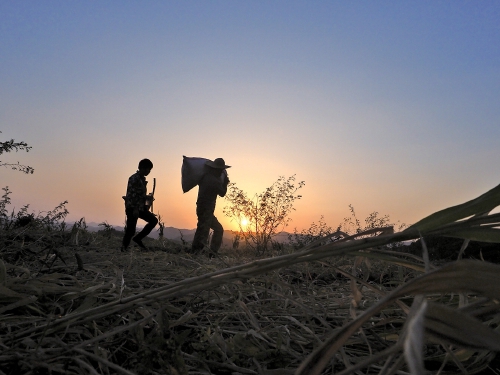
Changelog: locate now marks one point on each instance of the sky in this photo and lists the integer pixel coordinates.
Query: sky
(388, 106)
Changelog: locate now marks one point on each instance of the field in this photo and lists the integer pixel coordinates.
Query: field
(72, 303)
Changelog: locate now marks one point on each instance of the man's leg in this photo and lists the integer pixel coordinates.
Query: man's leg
(129, 230)
(151, 220)
(216, 241)
(202, 229)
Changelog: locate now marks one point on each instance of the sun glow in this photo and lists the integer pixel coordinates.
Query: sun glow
(244, 221)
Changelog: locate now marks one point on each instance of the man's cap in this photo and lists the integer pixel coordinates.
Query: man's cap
(218, 163)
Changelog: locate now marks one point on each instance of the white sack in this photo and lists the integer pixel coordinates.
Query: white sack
(192, 171)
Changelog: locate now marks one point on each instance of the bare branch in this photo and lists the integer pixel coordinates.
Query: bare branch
(15, 146)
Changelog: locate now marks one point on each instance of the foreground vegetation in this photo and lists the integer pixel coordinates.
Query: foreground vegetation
(71, 303)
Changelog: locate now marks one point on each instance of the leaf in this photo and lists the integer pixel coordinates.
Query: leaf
(414, 340)
(484, 203)
(465, 275)
(458, 328)
(477, 234)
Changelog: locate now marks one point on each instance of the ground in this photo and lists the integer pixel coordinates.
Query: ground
(71, 302)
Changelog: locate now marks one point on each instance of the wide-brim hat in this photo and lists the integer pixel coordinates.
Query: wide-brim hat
(218, 163)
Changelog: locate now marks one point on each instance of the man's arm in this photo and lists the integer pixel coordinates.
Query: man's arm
(224, 186)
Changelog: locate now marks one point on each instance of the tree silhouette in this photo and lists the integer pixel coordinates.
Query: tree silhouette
(15, 146)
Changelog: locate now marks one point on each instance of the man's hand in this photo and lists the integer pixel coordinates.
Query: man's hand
(149, 200)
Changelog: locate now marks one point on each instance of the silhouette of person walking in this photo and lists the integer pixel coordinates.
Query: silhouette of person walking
(137, 203)
(211, 185)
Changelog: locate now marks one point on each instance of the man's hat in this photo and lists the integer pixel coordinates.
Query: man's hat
(218, 163)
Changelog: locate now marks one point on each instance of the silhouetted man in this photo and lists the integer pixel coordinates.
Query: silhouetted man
(213, 183)
(137, 203)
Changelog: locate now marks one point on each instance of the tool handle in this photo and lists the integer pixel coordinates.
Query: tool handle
(153, 193)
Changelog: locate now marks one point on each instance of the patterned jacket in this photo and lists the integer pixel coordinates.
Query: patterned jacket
(136, 192)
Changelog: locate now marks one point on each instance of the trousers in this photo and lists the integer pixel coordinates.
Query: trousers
(207, 221)
(147, 216)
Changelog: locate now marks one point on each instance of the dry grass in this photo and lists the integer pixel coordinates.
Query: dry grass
(351, 306)
(155, 311)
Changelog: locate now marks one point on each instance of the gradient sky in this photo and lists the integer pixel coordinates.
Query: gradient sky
(391, 106)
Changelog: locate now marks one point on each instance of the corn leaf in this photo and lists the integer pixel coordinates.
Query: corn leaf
(478, 234)
(455, 327)
(484, 203)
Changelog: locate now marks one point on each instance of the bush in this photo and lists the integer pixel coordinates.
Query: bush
(260, 218)
(50, 219)
(316, 231)
(349, 226)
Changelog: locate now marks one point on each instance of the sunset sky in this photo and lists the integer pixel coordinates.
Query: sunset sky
(391, 106)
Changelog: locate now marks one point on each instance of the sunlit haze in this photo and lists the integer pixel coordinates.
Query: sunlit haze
(391, 106)
(244, 222)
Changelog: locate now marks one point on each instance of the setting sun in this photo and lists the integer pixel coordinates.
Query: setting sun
(244, 221)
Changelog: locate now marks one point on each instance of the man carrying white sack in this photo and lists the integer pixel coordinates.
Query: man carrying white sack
(211, 185)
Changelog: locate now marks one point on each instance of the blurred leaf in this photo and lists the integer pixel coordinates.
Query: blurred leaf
(478, 234)
(455, 327)
(465, 275)
(484, 203)
(414, 339)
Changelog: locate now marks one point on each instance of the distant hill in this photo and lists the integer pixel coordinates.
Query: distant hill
(176, 234)
(168, 232)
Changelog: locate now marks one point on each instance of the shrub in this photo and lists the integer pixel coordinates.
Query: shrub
(53, 219)
(265, 213)
(316, 231)
(349, 226)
